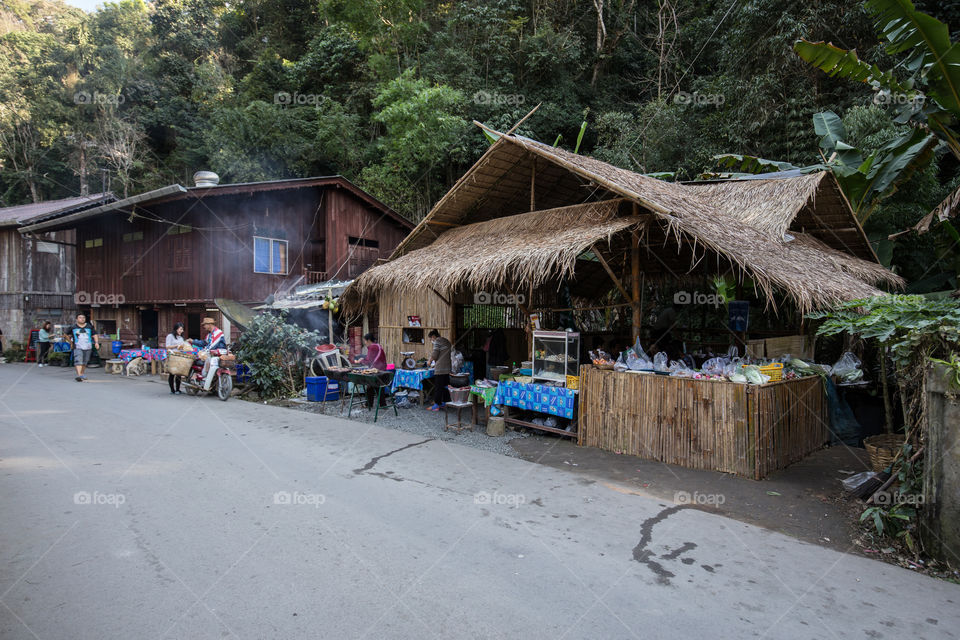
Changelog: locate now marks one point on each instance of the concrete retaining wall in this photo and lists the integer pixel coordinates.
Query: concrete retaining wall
(941, 481)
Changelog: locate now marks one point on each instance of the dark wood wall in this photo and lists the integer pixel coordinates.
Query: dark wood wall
(346, 220)
(36, 280)
(215, 258)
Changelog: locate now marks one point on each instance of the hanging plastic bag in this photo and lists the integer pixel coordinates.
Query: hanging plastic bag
(456, 361)
(847, 368)
(733, 352)
(660, 362)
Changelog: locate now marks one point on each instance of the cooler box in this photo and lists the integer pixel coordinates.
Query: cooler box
(319, 389)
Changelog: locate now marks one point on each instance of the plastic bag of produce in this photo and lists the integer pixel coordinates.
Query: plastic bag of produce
(639, 352)
(737, 377)
(714, 366)
(847, 368)
(680, 369)
(752, 373)
(660, 362)
(636, 363)
(621, 363)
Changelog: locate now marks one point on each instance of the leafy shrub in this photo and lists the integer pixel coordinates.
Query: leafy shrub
(16, 352)
(277, 354)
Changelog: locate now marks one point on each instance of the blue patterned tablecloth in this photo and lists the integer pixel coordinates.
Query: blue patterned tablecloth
(557, 401)
(147, 354)
(410, 378)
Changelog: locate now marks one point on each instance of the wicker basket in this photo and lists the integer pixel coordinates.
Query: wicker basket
(179, 363)
(882, 449)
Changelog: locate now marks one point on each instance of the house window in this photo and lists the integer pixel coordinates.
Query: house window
(177, 229)
(133, 237)
(180, 253)
(269, 255)
(363, 254)
(93, 242)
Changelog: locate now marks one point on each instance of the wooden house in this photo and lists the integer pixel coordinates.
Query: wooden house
(37, 269)
(164, 256)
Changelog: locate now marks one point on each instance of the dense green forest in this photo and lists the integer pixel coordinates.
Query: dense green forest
(142, 95)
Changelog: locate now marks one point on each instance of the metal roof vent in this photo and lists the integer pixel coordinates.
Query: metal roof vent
(206, 179)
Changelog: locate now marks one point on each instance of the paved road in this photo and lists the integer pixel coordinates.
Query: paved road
(128, 513)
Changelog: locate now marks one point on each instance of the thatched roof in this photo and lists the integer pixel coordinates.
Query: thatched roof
(811, 203)
(530, 247)
(685, 229)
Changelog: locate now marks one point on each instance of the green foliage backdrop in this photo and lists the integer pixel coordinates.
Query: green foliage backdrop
(383, 93)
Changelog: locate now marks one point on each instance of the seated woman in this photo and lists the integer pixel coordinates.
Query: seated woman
(376, 358)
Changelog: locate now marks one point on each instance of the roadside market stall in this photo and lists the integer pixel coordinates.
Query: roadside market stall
(545, 240)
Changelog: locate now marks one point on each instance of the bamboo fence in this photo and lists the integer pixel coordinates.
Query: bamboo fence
(743, 429)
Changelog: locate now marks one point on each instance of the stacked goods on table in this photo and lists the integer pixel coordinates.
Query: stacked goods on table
(601, 359)
(733, 368)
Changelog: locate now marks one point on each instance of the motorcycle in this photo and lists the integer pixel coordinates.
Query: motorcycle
(222, 383)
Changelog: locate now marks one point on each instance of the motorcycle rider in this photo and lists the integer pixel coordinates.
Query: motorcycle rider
(215, 345)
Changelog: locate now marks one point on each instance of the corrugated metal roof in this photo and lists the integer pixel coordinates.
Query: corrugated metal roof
(19, 213)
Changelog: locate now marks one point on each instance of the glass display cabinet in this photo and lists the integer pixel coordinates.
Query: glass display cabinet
(556, 355)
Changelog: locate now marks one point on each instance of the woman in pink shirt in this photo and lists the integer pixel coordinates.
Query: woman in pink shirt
(375, 359)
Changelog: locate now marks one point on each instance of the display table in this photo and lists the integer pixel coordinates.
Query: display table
(380, 381)
(147, 354)
(411, 379)
(555, 401)
(484, 395)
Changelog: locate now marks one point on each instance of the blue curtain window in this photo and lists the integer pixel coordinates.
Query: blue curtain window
(261, 255)
(269, 256)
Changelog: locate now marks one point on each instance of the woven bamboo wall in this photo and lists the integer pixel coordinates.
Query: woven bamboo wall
(722, 426)
(395, 307)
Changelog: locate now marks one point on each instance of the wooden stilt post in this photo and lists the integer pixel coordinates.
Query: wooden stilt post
(533, 184)
(635, 283)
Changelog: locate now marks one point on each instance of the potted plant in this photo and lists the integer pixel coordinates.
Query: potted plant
(57, 358)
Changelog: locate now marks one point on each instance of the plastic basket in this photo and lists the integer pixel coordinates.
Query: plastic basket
(774, 370)
(319, 389)
(573, 382)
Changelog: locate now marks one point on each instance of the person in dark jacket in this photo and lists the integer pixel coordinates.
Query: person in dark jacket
(440, 360)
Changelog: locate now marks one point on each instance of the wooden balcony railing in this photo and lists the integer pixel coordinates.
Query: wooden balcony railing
(314, 277)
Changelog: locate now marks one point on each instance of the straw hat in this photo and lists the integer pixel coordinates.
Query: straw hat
(208, 320)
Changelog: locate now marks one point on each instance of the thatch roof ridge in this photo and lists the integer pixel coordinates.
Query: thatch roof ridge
(769, 205)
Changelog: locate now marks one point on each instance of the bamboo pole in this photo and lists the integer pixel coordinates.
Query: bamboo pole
(533, 184)
(635, 281)
(612, 275)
